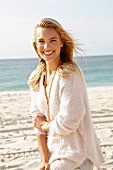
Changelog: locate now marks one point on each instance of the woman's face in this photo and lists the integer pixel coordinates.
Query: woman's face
(48, 44)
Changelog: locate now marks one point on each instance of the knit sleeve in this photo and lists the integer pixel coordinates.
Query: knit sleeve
(72, 106)
(34, 110)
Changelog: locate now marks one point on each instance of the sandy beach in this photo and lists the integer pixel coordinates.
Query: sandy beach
(18, 145)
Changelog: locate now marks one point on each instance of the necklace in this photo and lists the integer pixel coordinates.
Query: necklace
(49, 93)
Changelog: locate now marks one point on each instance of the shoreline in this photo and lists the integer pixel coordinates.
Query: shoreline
(88, 87)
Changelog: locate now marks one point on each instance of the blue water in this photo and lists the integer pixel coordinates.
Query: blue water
(98, 71)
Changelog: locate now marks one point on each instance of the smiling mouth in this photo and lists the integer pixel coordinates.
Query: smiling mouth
(48, 53)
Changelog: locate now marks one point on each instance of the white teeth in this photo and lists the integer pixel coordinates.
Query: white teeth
(48, 53)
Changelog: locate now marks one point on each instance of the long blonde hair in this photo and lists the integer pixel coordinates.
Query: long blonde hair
(66, 53)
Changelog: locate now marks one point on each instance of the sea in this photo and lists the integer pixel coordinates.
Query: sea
(14, 73)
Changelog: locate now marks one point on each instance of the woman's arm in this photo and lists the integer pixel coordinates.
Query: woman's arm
(72, 106)
(42, 144)
(34, 111)
(41, 134)
(41, 124)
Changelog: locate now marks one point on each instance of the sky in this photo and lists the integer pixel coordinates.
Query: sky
(89, 21)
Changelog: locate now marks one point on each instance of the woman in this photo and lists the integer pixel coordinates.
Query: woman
(59, 103)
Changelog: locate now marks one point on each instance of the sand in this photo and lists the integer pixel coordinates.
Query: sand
(18, 145)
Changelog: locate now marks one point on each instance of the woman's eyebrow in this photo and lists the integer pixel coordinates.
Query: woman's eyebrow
(53, 38)
(40, 38)
(50, 38)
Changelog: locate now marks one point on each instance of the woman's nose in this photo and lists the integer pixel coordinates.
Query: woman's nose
(46, 45)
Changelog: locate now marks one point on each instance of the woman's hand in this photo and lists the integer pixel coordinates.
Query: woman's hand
(41, 123)
(44, 166)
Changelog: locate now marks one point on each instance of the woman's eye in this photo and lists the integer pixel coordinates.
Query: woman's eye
(53, 40)
(40, 41)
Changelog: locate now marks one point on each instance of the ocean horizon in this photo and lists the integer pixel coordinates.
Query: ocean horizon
(14, 73)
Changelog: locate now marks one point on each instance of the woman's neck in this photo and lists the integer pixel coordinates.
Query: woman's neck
(52, 67)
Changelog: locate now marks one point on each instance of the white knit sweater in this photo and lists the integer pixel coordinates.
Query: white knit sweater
(71, 133)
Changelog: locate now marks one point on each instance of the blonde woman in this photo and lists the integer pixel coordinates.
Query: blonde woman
(59, 103)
